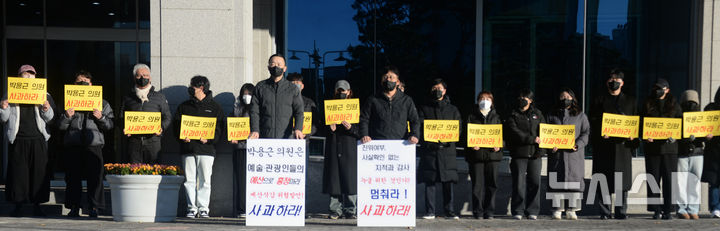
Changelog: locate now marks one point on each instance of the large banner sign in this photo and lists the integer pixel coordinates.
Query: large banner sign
(386, 184)
(275, 182)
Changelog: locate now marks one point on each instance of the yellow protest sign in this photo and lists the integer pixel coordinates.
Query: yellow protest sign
(307, 123)
(196, 127)
(83, 97)
(484, 135)
(238, 128)
(26, 90)
(661, 128)
(557, 136)
(141, 122)
(700, 124)
(623, 126)
(441, 130)
(339, 110)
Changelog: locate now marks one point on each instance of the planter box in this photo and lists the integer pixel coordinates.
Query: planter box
(144, 198)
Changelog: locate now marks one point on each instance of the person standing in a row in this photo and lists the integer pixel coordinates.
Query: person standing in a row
(437, 159)
(308, 104)
(84, 141)
(523, 139)
(568, 165)
(144, 148)
(340, 163)
(690, 163)
(484, 162)
(27, 134)
(711, 164)
(241, 109)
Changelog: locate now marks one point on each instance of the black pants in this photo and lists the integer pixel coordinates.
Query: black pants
(605, 209)
(27, 176)
(84, 163)
(526, 186)
(239, 165)
(143, 150)
(661, 168)
(448, 197)
(484, 186)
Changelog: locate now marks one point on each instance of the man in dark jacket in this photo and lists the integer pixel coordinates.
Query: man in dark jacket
(275, 104)
(385, 116)
(144, 148)
(199, 155)
(84, 141)
(612, 155)
(711, 164)
(437, 159)
(308, 104)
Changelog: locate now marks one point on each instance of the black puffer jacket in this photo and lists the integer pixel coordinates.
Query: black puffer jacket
(661, 147)
(156, 103)
(520, 130)
(273, 108)
(205, 108)
(711, 155)
(438, 160)
(385, 119)
(483, 154)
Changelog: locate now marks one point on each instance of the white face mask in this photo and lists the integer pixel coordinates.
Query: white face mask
(247, 99)
(485, 104)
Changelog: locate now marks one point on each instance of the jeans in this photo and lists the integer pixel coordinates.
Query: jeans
(689, 172)
(347, 204)
(198, 172)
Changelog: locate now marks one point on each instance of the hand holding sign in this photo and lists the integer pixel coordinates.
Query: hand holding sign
(197, 128)
(27, 91)
(338, 110)
(656, 128)
(83, 97)
(556, 136)
(614, 125)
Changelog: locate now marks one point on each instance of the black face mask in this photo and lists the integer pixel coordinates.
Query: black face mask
(659, 93)
(342, 96)
(82, 83)
(566, 102)
(613, 85)
(389, 86)
(275, 71)
(436, 93)
(141, 82)
(522, 103)
(690, 106)
(191, 91)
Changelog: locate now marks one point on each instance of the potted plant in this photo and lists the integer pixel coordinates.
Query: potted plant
(143, 192)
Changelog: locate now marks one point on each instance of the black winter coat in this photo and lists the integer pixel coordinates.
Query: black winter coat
(385, 119)
(520, 131)
(711, 156)
(613, 154)
(438, 160)
(340, 164)
(661, 147)
(483, 154)
(204, 108)
(156, 103)
(274, 106)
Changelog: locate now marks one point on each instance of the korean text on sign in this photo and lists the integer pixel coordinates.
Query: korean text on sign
(307, 123)
(196, 127)
(275, 182)
(83, 98)
(485, 135)
(560, 136)
(141, 122)
(26, 90)
(238, 128)
(441, 130)
(661, 128)
(614, 125)
(339, 110)
(700, 124)
(386, 184)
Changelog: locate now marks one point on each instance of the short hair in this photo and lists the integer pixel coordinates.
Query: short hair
(200, 81)
(617, 73)
(489, 94)
(526, 93)
(138, 67)
(391, 68)
(277, 55)
(439, 81)
(83, 73)
(295, 77)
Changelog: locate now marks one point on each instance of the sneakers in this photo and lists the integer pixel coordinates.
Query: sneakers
(716, 214)
(204, 214)
(452, 215)
(532, 217)
(191, 214)
(557, 215)
(93, 213)
(429, 216)
(518, 217)
(570, 215)
(334, 216)
(74, 212)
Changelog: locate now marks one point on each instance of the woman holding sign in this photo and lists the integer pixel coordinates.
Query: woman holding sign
(690, 162)
(711, 164)
(661, 156)
(199, 151)
(438, 154)
(242, 109)
(483, 162)
(568, 165)
(340, 164)
(523, 138)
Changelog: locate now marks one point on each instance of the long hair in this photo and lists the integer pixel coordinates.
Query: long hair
(574, 107)
(651, 107)
(250, 88)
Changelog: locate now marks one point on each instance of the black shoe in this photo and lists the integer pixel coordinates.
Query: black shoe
(452, 215)
(604, 217)
(488, 217)
(621, 216)
(93, 213)
(657, 215)
(38, 212)
(74, 212)
(17, 211)
(667, 216)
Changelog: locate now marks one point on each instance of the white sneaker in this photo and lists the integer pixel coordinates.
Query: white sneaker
(204, 214)
(518, 217)
(571, 215)
(557, 215)
(191, 214)
(716, 214)
(428, 217)
(532, 217)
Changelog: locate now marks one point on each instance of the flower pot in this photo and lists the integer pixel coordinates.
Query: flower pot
(144, 198)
